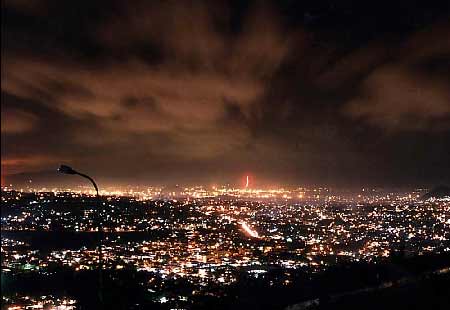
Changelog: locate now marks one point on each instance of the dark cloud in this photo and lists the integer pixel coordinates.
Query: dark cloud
(408, 92)
(166, 90)
(397, 99)
(16, 120)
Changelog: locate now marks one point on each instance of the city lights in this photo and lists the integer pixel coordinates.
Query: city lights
(209, 236)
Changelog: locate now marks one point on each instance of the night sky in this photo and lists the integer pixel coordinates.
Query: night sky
(335, 93)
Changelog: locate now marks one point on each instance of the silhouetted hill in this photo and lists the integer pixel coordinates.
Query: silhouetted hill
(38, 179)
(438, 192)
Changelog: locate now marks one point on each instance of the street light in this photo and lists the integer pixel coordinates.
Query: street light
(68, 170)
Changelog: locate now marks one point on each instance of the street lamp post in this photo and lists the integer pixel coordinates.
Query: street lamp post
(68, 170)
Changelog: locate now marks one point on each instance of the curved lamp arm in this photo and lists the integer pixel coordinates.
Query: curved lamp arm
(90, 179)
(69, 170)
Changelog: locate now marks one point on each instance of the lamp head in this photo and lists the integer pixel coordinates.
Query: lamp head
(66, 170)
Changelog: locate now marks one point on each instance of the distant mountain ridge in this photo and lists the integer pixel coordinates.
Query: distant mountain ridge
(44, 178)
(438, 192)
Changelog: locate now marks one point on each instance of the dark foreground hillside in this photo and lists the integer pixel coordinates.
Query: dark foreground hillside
(421, 282)
(431, 293)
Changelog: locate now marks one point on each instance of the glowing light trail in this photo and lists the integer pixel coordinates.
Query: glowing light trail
(248, 230)
(247, 182)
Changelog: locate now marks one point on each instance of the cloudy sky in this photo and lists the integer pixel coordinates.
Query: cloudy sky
(290, 92)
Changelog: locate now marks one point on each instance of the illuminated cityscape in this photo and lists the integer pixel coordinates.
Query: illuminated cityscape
(225, 155)
(208, 237)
